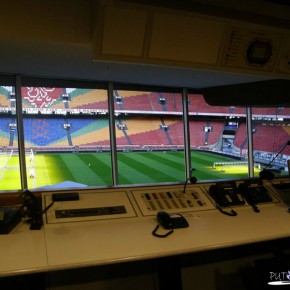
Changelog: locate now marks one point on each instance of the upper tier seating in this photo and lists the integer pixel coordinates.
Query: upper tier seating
(198, 104)
(140, 130)
(40, 97)
(132, 100)
(264, 111)
(89, 99)
(4, 97)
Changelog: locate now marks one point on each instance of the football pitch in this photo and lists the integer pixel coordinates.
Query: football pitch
(94, 169)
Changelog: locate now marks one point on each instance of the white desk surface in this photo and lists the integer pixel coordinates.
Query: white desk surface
(102, 242)
(22, 251)
(87, 243)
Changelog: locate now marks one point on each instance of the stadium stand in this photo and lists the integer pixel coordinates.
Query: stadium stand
(41, 97)
(147, 138)
(197, 134)
(264, 111)
(143, 130)
(284, 111)
(97, 137)
(139, 131)
(176, 131)
(8, 131)
(4, 141)
(238, 110)
(42, 131)
(57, 104)
(132, 100)
(217, 129)
(168, 102)
(198, 104)
(261, 138)
(147, 131)
(4, 97)
(90, 99)
(148, 101)
(135, 131)
(240, 139)
(154, 100)
(89, 131)
(287, 129)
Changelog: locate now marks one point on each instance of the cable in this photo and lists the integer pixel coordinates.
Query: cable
(154, 233)
(231, 213)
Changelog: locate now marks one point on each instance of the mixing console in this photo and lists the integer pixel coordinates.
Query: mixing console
(154, 200)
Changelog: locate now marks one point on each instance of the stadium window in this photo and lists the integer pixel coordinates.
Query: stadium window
(66, 126)
(151, 149)
(68, 140)
(217, 136)
(9, 154)
(271, 131)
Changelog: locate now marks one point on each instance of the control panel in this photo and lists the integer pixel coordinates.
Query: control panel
(89, 212)
(130, 202)
(151, 201)
(86, 206)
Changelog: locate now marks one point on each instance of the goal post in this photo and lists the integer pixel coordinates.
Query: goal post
(232, 163)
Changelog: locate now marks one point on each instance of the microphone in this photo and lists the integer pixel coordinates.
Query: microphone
(192, 179)
(267, 173)
(32, 208)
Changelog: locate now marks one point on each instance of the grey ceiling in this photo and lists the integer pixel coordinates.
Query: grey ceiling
(59, 60)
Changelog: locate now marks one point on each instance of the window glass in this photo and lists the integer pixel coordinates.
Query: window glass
(66, 133)
(218, 140)
(9, 154)
(66, 137)
(271, 132)
(149, 136)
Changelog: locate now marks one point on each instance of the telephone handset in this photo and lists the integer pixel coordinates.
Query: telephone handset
(169, 222)
(254, 192)
(226, 194)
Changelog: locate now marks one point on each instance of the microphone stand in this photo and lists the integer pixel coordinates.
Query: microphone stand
(192, 179)
(32, 209)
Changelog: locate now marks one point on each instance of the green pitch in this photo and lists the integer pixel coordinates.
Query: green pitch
(94, 169)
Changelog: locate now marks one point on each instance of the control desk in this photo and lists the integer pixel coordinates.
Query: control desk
(91, 227)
